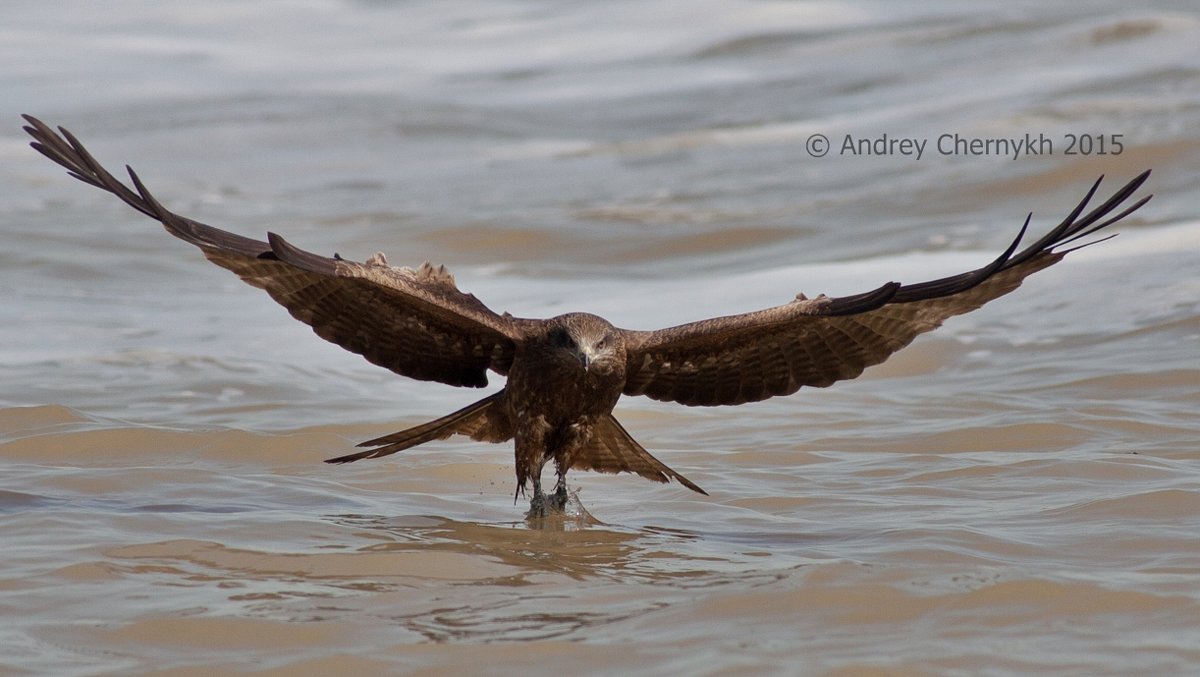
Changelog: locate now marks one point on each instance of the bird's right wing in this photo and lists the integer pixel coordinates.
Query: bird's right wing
(816, 342)
(414, 322)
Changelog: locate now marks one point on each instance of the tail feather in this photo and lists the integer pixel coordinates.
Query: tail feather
(480, 421)
(612, 450)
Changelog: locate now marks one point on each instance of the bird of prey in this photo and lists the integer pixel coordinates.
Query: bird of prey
(566, 373)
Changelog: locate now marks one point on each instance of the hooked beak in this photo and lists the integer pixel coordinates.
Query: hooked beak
(586, 356)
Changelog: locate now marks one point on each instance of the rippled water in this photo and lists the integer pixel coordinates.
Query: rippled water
(1017, 493)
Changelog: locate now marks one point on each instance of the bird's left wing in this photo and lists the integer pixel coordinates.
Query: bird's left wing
(414, 322)
(815, 342)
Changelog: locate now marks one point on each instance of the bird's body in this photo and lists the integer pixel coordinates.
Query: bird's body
(566, 373)
(561, 385)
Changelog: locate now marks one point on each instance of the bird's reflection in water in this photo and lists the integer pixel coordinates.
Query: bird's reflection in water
(571, 542)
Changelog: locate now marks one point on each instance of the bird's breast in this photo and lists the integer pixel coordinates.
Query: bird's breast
(561, 392)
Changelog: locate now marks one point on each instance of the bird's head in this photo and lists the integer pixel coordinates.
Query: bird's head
(591, 341)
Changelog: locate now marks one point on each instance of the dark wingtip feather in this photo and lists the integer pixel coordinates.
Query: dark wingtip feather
(861, 303)
(1069, 230)
(1075, 226)
(154, 205)
(291, 254)
(67, 151)
(342, 460)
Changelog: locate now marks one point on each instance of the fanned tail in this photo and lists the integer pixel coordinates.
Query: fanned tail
(480, 421)
(612, 450)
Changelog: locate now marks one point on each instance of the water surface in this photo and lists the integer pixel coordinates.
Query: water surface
(1017, 493)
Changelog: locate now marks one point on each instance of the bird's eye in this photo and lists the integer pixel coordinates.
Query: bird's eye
(600, 345)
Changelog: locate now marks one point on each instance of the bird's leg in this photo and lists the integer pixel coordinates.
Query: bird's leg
(538, 504)
(559, 499)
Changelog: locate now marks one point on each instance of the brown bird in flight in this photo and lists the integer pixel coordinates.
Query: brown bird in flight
(565, 374)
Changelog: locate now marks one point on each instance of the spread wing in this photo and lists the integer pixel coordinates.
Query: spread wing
(815, 342)
(414, 322)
